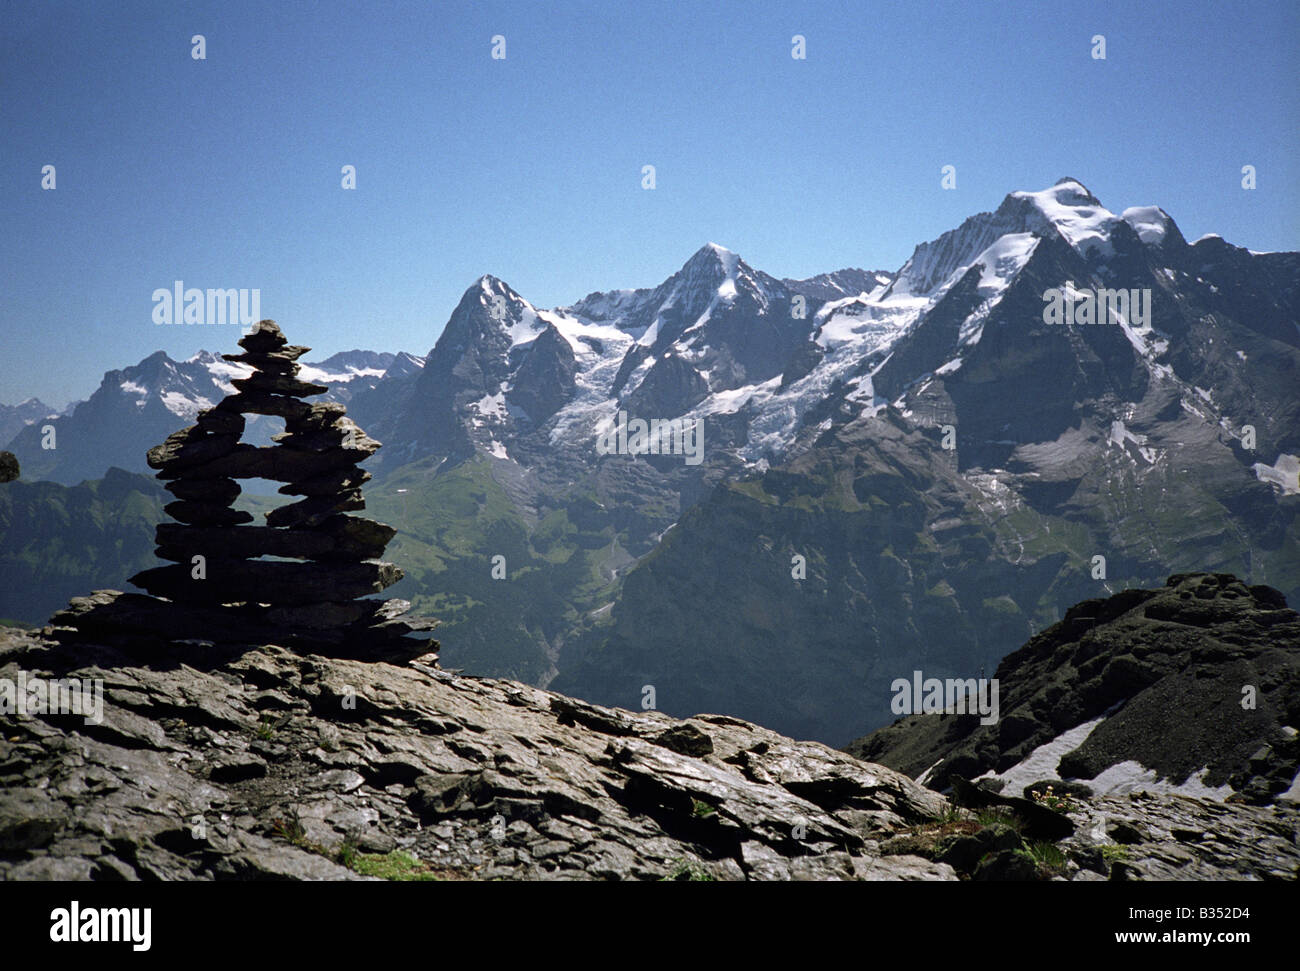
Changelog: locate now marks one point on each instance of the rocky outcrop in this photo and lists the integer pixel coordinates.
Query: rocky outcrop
(267, 764)
(1194, 685)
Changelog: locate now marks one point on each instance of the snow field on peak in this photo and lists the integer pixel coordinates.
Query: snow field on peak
(999, 263)
(1151, 223)
(1120, 436)
(184, 406)
(1083, 223)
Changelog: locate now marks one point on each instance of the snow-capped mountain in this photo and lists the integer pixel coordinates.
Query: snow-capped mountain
(955, 470)
(146, 402)
(708, 336)
(841, 283)
(946, 461)
(14, 418)
(722, 341)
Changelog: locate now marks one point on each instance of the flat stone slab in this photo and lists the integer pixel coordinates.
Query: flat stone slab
(180, 543)
(153, 627)
(331, 483)
(189, 447)
(262, 381)
(314, 510)
(220, 491)
(279, 582)
(277, 464)
(206, 513)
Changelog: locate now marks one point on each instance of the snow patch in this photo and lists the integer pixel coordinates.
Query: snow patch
(492, 406)
(1041, 763)
(1124, 777)
(1130, 442)
(307, 372)
(1151, 223)
(183, 406)
(1284, 473)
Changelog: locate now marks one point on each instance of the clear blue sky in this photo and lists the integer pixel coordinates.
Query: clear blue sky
(226, 172)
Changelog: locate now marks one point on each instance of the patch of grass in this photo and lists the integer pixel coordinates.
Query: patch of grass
(998, 817)
(688, 870)
(931, 839)
(701, 809)
(265, 729)
(290, 829)
(397, 865)
(1049, 858)
(347, 854)
(950, 814)
(1113, 851)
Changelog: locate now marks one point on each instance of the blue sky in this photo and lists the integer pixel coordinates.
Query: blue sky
(226, 172)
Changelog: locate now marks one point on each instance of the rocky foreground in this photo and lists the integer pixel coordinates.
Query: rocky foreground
(265, 764)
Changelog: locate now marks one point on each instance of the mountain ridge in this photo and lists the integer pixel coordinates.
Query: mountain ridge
(981, 458)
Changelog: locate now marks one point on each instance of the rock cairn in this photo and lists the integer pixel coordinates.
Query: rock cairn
(323, 560)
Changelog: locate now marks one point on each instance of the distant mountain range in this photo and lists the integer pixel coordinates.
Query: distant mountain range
(900, 469)
(14, 418)
(148, 401)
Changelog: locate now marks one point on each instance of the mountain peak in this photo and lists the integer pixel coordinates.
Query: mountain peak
(711, 254)
(495, 296)
(1152, 224)
(1068, 208)
(1066, 193)
(1070, 180)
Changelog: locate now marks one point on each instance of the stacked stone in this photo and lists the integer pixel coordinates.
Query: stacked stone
(326, 558)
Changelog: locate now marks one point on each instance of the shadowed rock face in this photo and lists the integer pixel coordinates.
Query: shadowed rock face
(1198, 680)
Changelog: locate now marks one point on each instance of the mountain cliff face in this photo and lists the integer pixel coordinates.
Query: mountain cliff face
(1066, 443)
